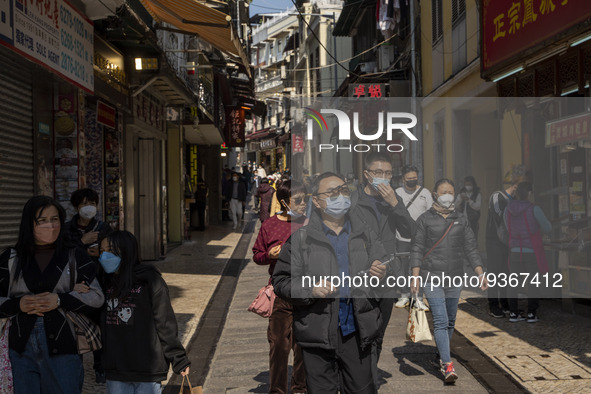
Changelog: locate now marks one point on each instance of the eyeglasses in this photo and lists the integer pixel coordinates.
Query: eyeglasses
(299, 200)
(333, 194)
(380, 173)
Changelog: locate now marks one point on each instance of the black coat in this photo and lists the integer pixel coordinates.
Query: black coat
(448, 256)
(395, 219)
(229, 190)
(140, 333)
(309, 253)
(75, 235)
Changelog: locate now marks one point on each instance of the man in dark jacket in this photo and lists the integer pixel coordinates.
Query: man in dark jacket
(383, 211)
(265, 193)
(335, 324)
(235, 192)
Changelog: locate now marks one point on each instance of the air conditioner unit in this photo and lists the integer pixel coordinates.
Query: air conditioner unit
(368, 67)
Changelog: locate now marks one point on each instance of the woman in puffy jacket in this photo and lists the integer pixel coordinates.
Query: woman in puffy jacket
(442, 239)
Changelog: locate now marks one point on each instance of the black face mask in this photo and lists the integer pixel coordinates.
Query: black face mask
(412, 184)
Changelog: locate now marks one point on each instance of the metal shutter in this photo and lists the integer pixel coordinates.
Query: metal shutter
(16, 145)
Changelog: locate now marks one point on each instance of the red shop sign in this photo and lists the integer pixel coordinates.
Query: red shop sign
(509, 27)
(565, 131)
(105, 114)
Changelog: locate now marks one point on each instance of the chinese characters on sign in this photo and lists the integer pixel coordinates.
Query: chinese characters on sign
(512, 26)
(297, 143)
(52, 33)
(234, 132)
(376, 90)
(568, 130)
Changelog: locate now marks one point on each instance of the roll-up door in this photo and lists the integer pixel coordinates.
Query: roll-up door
(16, 146)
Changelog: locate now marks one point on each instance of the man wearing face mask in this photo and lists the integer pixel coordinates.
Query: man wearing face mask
(86, 232)
(379, 207)
(335, 325)
(235, 192)
(417, 200)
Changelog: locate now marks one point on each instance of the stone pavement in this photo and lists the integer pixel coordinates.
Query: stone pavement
(192, 272)
(551, 356)
(240, 363)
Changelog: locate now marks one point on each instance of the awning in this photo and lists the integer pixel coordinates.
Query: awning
(191, 17)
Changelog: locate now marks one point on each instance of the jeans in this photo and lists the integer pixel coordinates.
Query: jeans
(35, 369)
(443, 302)
(117, 387)
(523, 263)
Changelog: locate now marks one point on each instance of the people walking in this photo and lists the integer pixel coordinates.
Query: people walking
(273, 234)
(201, 195)
(469, 201)
(379, 207)
(139, 328)
(497, 249)
(85, 231)
(417, 200)
(335, 326)
(442, 235)
(235, 193)
(525, 224)
(35, 294)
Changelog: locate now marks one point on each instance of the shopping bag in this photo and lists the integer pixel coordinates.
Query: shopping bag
(417, 329)
(263, 303)
(6, 383)
(192, 390)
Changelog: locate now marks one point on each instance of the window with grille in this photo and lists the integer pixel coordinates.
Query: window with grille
(458, 10)
(436, 20)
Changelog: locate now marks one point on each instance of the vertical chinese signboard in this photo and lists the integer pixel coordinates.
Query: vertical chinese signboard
(509, 27)
(297, 143)
(234, 132)
(51, 33)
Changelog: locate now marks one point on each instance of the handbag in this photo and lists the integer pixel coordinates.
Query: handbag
(192, 390)
(417, 328)
(263, 303)
(87, 332)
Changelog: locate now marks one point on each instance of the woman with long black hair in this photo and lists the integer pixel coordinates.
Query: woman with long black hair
(35, 293)
(139, 326)
(469, 201)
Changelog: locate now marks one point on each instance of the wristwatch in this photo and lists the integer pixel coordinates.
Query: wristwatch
(58, 301)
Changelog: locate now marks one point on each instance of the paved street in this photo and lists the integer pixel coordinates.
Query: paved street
(553, 355)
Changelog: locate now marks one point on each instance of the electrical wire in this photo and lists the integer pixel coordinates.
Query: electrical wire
(320, 42)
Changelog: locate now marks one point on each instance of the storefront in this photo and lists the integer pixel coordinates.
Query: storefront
(46, 73)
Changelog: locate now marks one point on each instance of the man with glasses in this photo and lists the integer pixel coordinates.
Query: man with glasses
(335, 324)
(383, 211)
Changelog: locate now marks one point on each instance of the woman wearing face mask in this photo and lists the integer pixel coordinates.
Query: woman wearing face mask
(35, 293)
(273, 233)
(85, 231)
(438, 248)
(469, 201)
(139, 327)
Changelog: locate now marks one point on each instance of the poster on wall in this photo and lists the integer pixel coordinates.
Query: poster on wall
(53, 34)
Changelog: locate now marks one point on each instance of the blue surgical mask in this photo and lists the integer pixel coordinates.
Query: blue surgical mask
(291, 213)
(110, 262)
(376, 181)
(338, 207)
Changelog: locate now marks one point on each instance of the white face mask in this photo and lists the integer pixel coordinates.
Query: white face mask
(87, 212)
(445, 200)
(469, 188)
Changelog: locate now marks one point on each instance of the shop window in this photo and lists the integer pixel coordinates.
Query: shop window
(458, 35)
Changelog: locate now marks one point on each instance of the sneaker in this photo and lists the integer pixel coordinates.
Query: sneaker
(402, 302)
(100, 377)
(532, 318)
(514, 318)
(496, 313)
(450, 374)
